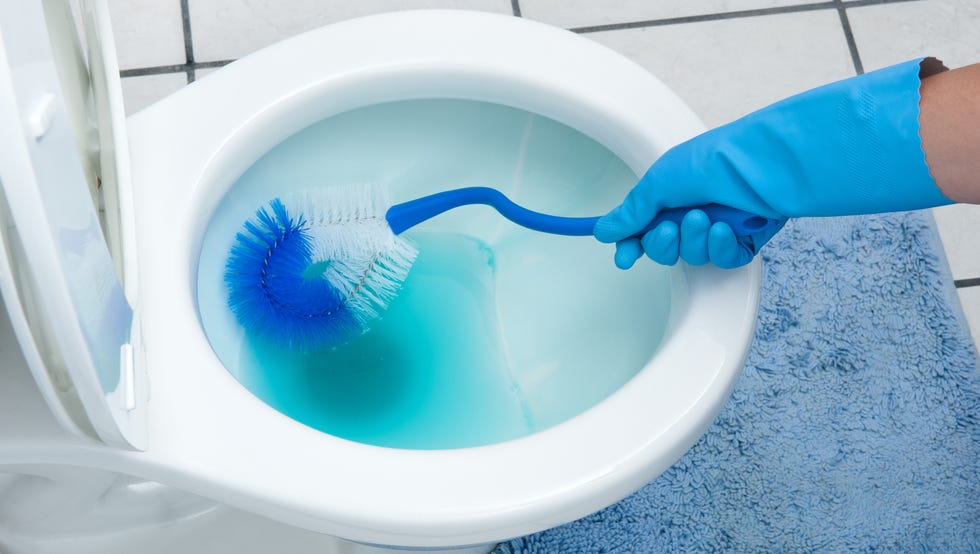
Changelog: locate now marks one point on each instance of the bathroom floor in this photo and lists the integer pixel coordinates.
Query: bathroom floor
(754, 51)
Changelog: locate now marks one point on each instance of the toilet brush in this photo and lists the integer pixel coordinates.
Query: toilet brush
(313, 269)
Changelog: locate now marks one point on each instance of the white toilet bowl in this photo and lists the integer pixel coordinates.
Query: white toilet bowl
(201, 431)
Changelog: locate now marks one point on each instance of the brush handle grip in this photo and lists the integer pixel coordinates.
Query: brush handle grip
(409, 214)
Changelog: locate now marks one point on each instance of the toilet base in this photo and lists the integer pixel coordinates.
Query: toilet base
(68, 510)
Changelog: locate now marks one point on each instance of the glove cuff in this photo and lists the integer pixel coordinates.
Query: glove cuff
(850, 147)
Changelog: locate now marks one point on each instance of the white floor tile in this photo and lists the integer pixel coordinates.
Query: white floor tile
(140, 92)
(581, 13)
(202, 73)
(148, 32)
(228, 29)
(725, 69)
(970, 299)
(959, 228)
(890, 33)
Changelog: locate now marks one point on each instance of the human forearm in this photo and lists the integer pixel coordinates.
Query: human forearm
(950, 130)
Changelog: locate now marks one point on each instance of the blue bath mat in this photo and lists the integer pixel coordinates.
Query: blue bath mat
(855, 425)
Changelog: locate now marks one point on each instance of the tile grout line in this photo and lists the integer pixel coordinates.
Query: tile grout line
(185, 16)
(862, 3)
(515, 6)
(966, 283)
(155, 70)
(827, 5)
(849, 37)
(176, 68)
(705, 17)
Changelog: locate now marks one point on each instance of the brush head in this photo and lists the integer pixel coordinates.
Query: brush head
(312, 270)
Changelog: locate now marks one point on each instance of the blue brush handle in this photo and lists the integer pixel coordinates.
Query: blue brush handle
(409, 214)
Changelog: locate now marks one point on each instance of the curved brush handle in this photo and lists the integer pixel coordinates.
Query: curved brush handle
(409, 214)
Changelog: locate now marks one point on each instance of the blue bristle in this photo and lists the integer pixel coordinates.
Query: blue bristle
(268, 292)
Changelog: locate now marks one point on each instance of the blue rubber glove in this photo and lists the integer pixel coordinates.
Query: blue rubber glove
(850, 147)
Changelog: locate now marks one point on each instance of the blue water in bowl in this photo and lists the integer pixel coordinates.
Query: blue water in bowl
(429, 374)
(498, 332)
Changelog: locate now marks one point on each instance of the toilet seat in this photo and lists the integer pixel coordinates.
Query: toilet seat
(62, 152)
(208, 435)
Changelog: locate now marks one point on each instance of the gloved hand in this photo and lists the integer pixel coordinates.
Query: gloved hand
(850, 147)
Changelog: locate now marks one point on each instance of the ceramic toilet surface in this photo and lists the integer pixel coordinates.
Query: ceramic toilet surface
(209, 435)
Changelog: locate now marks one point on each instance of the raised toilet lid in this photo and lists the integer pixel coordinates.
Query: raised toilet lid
(65, 211)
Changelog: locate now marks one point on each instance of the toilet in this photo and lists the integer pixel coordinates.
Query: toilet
(119, 406)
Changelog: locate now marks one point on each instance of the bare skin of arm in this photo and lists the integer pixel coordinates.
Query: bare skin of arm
(949, 125)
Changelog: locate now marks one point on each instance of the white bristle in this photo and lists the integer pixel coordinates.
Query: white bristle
(368, 262)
